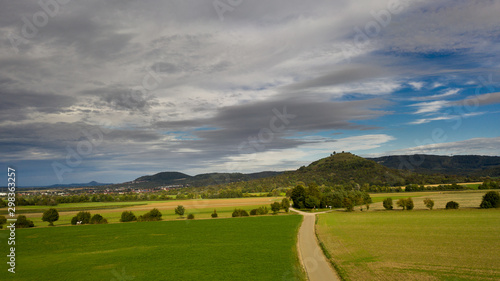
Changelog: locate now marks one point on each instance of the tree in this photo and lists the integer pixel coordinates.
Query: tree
(429, 203)
(402, 203)
(82, 217)
(214, 214)
(180, 210)
(311, 202)
(98, 219)
(275, 207)
(298, 196)
(388, 203)
(51, 215)
(348, 204)
(153, 215)
(190, 217)
(490, 200)
(128, 216)
(239, 213)
(452, 205)
(409, 204)
(285, 204)
(23, 222)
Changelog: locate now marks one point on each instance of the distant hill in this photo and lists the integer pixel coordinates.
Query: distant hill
(464, 165)
(92, 183)
(177, 178)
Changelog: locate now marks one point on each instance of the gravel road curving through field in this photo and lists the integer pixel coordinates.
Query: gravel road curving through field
(317, 267)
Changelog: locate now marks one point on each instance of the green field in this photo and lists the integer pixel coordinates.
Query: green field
(114, 217)
(252, 248)
(459, 244)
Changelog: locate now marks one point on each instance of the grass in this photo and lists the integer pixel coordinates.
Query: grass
(114, 217)
(414, 245)
(253, 248)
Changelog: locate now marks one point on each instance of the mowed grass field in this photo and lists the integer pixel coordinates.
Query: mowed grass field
(250, 248)
(441, 244)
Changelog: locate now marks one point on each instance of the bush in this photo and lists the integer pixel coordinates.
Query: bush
(83, 217)
(348, 204)
(406, 204)
(98, 219)
(490, 200)
(128, 216)
(214, 214)
(409, 204)
(285, 204)
(239, 213)
(275, 207)
(429, 203)
(180, 210)
(23, 222)
(190, 217)
(50, 216)
(388, 204)
(153, 215)
(452, 205)
(259, 211)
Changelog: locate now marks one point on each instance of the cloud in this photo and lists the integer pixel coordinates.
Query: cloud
(417, 85)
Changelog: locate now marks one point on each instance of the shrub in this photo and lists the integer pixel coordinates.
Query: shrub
(285, 204)
(429, 203)
(409, 204)
(452, 205)
(490, 200)
(239, 213)
(388, 204)
(51, 215)
(180, 210)
(83, 217)
(153, 215)
(253, 212)
(98, 219)
(128, 216)
(23, 222)
(214, 214)
(275, 207)
(190, 217)
(402, 203)
(348, 204)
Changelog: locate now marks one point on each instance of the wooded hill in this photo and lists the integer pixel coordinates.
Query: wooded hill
(465, 165)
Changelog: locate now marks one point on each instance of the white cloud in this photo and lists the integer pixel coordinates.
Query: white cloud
(416, 85)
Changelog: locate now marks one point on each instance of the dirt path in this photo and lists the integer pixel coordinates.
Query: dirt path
(317, 267)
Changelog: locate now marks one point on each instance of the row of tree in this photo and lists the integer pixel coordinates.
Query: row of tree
(323, 197)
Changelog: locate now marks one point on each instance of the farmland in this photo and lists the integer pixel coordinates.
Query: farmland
(416, 245)
(201, 208)
(217, 249)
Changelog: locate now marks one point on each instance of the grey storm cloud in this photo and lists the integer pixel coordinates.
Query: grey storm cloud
(121, 98)
(235, 124)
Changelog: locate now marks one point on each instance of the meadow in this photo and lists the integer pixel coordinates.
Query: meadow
(201, 208)
(250, 248)
(415, 245)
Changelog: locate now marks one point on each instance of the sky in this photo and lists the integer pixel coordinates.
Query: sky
(113, 90)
